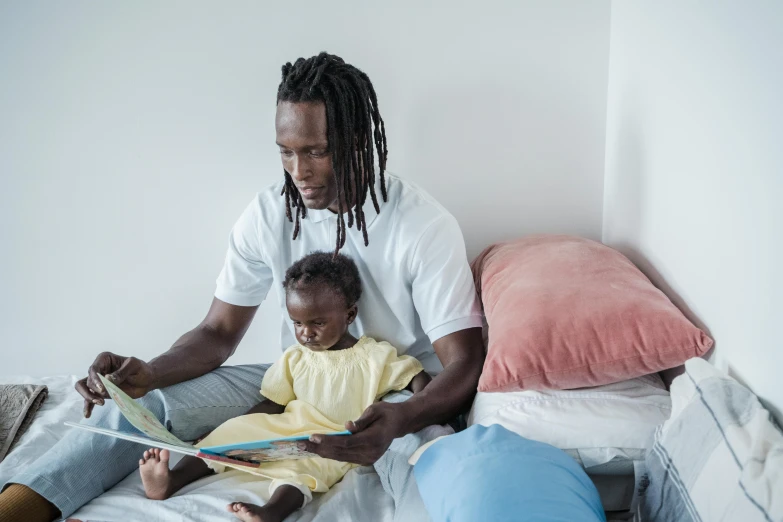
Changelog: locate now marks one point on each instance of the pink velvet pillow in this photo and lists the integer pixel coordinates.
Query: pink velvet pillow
(565, 312)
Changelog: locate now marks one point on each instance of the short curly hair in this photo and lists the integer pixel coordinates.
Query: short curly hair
(338, 272)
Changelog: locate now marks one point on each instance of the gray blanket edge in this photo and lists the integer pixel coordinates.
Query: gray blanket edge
(24, 416)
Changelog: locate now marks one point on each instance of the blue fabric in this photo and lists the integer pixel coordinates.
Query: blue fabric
(490, 473)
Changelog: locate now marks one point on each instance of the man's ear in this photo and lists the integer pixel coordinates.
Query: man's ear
(350, 315)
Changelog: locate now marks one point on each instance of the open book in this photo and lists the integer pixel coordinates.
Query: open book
(153, 434)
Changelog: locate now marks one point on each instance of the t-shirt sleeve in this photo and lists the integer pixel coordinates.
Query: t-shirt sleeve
(245, 279)
(398, 370)
(442, 284)
(278, 383)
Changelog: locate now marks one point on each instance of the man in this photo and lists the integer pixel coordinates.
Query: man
(419, 296)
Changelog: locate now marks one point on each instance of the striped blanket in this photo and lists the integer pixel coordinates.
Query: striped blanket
(718, 458)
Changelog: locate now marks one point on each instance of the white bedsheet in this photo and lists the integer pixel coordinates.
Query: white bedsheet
(358, 497)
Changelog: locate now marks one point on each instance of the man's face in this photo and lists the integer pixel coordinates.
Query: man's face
(301, 134)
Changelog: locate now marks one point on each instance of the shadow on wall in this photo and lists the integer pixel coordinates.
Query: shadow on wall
(624, 218)
(624, 206)
(658, 280)
(655, 277)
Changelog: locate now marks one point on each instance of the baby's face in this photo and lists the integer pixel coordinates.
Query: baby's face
(319, 315)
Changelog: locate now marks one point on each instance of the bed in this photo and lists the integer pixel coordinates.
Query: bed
(360, 495)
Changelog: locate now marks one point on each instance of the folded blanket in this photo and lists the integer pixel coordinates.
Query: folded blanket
(18, 404)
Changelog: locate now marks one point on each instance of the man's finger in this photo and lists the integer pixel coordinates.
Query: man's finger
(348, 448)
(119, 376)
(342, 454)
(90, 399)
(93, 382)
(325, 440)
(326, 449)
(88, 406)
(364, 421)
(313, 447)
(89, 395)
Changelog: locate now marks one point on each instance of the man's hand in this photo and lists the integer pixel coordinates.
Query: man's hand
(373, 433)
(131, 375)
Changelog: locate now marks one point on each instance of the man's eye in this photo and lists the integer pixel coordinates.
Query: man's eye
(319, 154)
(287, 153)
(297, 323)
(319, 324)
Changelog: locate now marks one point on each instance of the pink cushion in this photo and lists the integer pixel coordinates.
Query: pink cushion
(566, 312)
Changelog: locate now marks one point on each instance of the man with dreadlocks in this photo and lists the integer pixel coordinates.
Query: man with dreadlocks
(336, 195)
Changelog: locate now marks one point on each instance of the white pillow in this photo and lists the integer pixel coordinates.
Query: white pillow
(620, 416)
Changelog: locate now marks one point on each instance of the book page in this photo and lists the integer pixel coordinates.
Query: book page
(283, 450)
(135, 437)
(141, 418)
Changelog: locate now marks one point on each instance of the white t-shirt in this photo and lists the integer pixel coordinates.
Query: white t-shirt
(416, 283)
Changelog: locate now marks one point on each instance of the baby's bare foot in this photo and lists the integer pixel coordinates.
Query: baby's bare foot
(252, 513)
(155, 474)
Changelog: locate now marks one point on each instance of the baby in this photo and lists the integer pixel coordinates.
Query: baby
(317, 386)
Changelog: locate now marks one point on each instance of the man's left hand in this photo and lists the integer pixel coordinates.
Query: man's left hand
(372, 434)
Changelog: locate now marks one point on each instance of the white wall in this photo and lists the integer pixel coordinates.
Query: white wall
(694, 168)
(132, 134)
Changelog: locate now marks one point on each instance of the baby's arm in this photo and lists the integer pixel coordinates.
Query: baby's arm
(266, 406)
(419, 382)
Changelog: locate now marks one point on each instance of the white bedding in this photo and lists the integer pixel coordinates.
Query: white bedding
(358, 497)
(583, 420)
(620, 415)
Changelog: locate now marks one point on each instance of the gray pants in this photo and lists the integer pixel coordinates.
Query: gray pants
(83, 465)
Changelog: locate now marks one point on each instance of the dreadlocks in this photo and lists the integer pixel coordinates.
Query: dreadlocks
(351, 113)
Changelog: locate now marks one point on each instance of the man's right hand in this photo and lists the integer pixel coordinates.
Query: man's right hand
(131, 375)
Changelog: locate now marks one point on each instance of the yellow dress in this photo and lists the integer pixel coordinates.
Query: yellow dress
(321, 391)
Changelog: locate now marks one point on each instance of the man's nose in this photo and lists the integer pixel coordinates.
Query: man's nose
(300, 169)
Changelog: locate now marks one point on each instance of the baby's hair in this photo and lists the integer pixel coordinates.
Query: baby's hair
(338, 272)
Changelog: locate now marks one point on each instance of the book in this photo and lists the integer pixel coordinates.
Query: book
(154, 434)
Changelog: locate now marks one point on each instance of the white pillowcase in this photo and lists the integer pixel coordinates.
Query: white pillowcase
(620, 416)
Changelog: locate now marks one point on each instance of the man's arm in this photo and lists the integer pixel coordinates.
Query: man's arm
(266, 406)
(204, 348)
(450, 393)
(196, 353)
